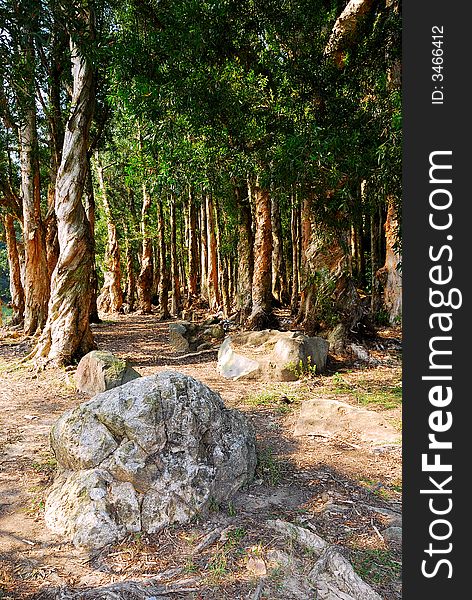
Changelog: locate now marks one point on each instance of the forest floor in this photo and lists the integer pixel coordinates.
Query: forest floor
(337, 488)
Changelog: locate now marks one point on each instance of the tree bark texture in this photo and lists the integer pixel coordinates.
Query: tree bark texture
(390, 276)
(279, 272)
(245, 254)
(67, 335)
(305, 230)
(295, 231)
(36, 277)
(203, 252)
(192, 249)
(111, 296)
(16, 287)
(163, 271)
(214, 296)
(262, 277)
(174, 262)
(89, 204)
(222, 265)
(145, 276)
(346, 29)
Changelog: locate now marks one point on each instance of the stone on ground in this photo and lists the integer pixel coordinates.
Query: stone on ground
(331, 418)
(156, 451)
(189, 337)
(271, 355)
(99, 371)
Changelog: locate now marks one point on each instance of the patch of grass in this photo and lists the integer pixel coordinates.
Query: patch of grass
(190, 566)
(234, 537)
(45, 466)
(231, 509)
(376, 566)
(366, 393)
(269, 468)
(302, 369)
(218, 565)
(386, 492)
(223, 560)
(275, 399)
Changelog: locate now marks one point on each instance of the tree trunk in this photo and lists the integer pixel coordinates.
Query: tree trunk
(222, 265)
(214, 297)
(306, 225)
(346, 29)
(245, 254)
(164, 273)
(261, 314)
(89, 205)
(174, 263)
(145, 276)
(67, 335)
(279, 272)
(389, 275)
(16, 287)
(36, 277)
(111, 297)
(192, 249)
(56, 141)
(295, 231)
(204, 252)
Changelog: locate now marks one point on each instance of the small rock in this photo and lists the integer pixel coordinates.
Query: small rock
(393, 535)
(99, 371)
(256, 566)
(177, 339)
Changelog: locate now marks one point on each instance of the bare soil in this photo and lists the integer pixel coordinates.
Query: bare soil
(333, 486)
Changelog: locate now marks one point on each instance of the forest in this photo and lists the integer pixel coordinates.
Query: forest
(225, 167)
(243, 156)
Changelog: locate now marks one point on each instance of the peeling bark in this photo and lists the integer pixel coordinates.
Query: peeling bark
(346, 29)
(279, 272)
(245, 254)
(389, 275)
(163, 271)
(203, 252)
(130, 275)
(262, 277)
(67, 335)
(192, 249)
(174, 264)
(36, 278)
(89, 204)
(111, 296)
(16, 287)
(213, 287)
(295, 231)
(222, 266)
(145, 277)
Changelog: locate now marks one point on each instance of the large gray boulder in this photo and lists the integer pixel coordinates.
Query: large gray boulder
(155, 451)
(271, 355)
(99, 371)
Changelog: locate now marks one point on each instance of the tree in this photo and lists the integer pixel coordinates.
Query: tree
(67, 334)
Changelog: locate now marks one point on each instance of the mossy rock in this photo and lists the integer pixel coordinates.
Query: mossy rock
(99, 371)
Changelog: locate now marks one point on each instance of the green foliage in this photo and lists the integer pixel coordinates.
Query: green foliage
(376, 566)
(269, 467)
(4, 273)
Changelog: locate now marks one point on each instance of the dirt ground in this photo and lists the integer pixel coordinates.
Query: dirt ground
(342, 490)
